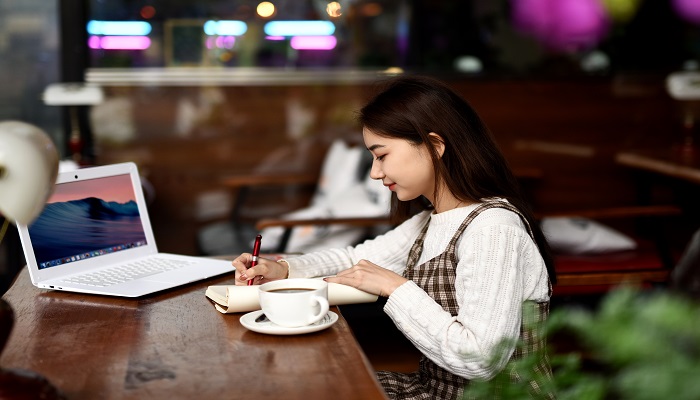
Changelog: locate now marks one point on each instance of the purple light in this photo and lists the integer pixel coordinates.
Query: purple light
(313, 42)
(274, 37)
(220, 42)
(119, 42)
(688, 10)
(562, 25)
(225, 42)
(532, 16)
(94, 42)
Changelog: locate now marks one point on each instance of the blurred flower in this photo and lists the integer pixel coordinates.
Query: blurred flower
(562, 25)
(688, 10)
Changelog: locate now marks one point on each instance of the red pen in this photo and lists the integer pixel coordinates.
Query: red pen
(256, 254)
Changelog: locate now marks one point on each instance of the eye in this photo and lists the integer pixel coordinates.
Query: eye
(380, 158)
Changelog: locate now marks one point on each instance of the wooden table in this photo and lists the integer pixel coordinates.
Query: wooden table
(175, 345)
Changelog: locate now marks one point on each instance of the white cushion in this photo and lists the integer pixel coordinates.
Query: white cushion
(338, 172)
(581, 235)
(378, 194)
(343, 196)
(368, 198)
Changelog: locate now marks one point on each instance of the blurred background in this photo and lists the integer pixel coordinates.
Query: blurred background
(196, 92)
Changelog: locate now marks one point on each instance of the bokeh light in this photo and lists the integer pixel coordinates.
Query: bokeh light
(313, 42)
(299, 28)
(147, 12)
(562, 25)
(689, 10)
(266, 9)
(621, 10)
(225, 27)
(126, 28)
(468, 64)
(334, 9)
(119, 42)
(221, 42)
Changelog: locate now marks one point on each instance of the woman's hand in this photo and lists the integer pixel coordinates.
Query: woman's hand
(265, 271)
(369, 277)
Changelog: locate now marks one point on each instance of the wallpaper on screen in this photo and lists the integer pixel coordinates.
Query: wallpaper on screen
(86, 217)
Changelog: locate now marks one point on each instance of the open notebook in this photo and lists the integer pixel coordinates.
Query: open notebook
(94, 236)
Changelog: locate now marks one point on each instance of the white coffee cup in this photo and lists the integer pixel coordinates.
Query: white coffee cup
(294, 302)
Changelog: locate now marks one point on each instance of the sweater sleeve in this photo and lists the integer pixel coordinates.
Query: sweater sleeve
(389, 250)
(489, 290)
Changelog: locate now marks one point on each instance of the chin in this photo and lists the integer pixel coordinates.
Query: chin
(403, 197)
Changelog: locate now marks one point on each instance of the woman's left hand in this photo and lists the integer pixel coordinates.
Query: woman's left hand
(370, 278)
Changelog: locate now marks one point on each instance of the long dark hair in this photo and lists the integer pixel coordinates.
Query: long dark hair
(472, 166)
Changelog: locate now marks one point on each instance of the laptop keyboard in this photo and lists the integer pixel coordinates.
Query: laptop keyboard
(128, 272)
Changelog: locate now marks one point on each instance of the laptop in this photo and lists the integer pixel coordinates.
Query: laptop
(94, 236)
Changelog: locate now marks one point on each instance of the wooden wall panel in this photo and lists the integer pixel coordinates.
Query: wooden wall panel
(568, 129)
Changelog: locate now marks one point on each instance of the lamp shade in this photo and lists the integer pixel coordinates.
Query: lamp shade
(28, 168)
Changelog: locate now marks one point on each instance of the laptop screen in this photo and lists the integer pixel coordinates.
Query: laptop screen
(87, 219)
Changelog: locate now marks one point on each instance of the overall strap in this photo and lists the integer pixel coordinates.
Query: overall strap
(507, 206)
(417, 248)
(510, 207)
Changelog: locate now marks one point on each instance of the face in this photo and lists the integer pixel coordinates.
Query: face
(403, 167)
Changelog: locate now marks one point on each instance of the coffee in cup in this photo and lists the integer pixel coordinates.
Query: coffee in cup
(293, 303)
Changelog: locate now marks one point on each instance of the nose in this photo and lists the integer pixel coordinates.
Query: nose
(376, 171)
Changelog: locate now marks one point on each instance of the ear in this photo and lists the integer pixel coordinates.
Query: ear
(438, 142)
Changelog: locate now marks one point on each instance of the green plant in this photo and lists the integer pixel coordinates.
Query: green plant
(636, 345)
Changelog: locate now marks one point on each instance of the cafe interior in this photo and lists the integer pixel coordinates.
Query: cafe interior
(241, 117)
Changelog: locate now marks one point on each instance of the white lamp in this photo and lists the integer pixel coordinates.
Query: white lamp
(28, 168)
(73, 95)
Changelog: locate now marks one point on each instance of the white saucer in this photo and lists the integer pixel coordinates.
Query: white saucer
(248, 320)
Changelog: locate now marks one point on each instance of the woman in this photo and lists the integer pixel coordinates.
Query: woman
(458, 274)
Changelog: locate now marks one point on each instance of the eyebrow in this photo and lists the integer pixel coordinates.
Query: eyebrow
(375, 146)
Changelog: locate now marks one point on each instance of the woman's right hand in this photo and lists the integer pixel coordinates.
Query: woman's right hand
(265, 271)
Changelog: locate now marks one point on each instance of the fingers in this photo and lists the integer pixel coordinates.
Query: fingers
(257, 277)
(244, 272)
(353, 276)
(247, 274)
(241, 264)
(361, 267)
(265, 270)
(346, 272)
(369, 277)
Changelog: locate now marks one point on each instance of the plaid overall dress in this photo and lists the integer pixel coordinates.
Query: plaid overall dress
(437, 277)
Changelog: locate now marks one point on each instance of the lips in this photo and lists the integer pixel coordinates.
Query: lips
(391, 186)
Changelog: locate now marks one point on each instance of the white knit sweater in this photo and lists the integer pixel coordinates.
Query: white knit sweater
(499, 267)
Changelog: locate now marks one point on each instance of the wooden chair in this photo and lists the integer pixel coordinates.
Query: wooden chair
(650, 263)
(308, 186)
(372, 225)
(244, 184)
